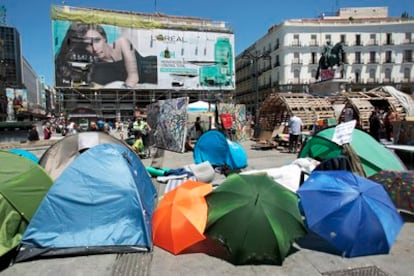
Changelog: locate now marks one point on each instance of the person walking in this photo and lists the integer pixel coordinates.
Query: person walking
(295, 130)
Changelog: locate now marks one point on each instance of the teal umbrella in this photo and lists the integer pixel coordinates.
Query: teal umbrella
(372, 155)
(256, 218)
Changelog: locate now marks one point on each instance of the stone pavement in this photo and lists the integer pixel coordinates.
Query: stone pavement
(309, 257)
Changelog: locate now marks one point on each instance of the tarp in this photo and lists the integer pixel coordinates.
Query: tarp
(102, 203)
(201, 106)
(23, 184)
(58, 156)
(373, 155)
(214, 147)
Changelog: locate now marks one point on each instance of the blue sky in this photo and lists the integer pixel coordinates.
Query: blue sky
(249, 20)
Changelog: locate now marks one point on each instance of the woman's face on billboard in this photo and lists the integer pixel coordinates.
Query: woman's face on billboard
(96, 43)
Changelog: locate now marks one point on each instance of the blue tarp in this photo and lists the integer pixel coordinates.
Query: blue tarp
(214, 147)
(102, 203)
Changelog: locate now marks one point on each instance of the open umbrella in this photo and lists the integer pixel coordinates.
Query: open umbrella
(372, 155)
(255, 218)
(180, 218)
(400, 187)
(353, 213)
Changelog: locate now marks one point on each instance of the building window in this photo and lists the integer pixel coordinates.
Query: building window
(277, 63)
(358, 58)
(296, 58)
(371, 75)
(372, 39)
(358, 40)
(372, 57)
(406, 74)
(408, 38)
(388, 56)
(387, 75)
(277, 44)
(313, 41)
(328, 38)
(389, 39)
(314, 60)
(343, 38)
(296, 41)
(357, 76)
(408, 56)
(296, 77)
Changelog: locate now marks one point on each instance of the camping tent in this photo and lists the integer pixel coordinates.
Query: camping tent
(373, 155)
(102, 203)
(58, 156)
(214, 147)
(23, 184)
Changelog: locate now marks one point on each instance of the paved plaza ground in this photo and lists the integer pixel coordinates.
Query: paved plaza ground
(309, 257)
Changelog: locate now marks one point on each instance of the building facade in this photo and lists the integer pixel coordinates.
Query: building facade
(18, 78)
(378, 51)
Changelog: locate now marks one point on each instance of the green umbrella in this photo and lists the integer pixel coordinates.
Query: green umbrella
(23, 184)
(256, 218)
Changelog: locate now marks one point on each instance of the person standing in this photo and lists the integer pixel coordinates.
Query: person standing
(198, 128)
(47, 132)
(33, 134)
(348, 114)
(375, 125)
(295, 130)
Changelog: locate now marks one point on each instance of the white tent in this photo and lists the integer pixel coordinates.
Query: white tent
(201, 106)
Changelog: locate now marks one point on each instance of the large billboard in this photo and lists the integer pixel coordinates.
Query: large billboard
(119, 50)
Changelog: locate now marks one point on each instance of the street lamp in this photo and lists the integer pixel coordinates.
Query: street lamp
(254, 58)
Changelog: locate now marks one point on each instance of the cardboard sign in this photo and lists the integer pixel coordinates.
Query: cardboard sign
(343, 132)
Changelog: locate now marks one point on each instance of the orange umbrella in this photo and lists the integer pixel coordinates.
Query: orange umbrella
(180, 218)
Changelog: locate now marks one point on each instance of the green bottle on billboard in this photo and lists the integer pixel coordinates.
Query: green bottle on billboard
(219, 74)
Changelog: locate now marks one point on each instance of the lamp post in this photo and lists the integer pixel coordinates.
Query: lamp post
(254, 59)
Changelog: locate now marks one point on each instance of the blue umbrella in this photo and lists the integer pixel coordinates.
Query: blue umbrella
(353, 213)
(27, 154)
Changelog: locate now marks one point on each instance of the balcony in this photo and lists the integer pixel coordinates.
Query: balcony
(389, 61)
(297, 61)
(373, 61)
(276, 64)
(407, 60)
(357, 43)
(313, 44)
(408, 41)
(372, 42)
(296, 44)
(389, 42)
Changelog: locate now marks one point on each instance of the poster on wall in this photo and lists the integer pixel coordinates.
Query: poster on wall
(113, 50)
(16, 102)
(168, 120)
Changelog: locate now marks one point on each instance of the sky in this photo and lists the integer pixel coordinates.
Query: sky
(249, 20)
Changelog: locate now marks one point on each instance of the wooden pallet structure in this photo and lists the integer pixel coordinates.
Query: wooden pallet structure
(279, 107)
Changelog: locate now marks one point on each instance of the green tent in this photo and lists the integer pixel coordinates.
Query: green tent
(23, 184)
(373, 156)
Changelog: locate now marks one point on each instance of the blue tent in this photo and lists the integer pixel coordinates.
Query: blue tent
(214, 147)
(25, 153)
(102, 203)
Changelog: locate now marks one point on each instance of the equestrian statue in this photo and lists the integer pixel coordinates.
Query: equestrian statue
(331, 56)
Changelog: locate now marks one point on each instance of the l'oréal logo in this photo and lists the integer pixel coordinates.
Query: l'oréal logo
(168, 38)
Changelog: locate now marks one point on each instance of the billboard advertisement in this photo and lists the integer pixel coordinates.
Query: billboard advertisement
(16, 102)
(115, 50)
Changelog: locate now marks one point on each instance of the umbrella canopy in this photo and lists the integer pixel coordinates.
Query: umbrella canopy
(23, 184)
(25, 153)
(373, 156)
(400, 187)
(353, 213)
(180, 218)
(255, 218)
